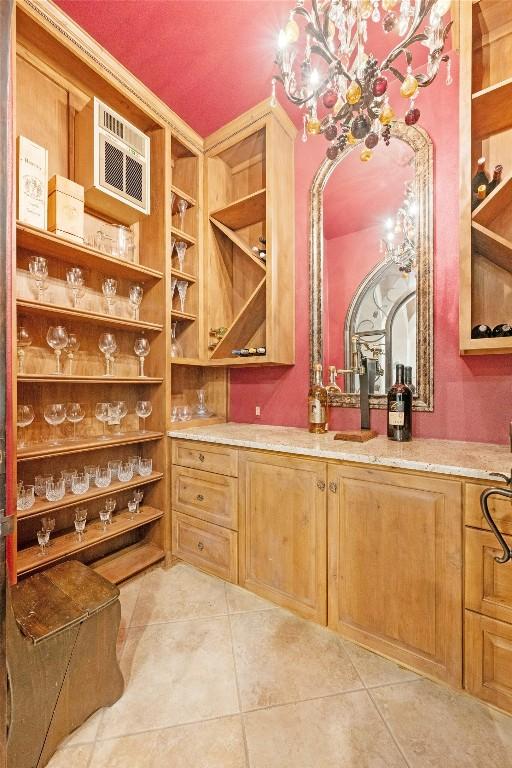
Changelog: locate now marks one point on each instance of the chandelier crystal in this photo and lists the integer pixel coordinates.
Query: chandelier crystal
(399, 243)
(325, 69)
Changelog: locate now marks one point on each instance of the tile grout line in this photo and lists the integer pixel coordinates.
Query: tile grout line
(388, 727)
(242, 721)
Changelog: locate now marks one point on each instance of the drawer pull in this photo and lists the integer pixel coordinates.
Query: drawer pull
(200, 497)
(200, 546)
(484, 498)
(320, 485)
(333, 487)
(201, 457)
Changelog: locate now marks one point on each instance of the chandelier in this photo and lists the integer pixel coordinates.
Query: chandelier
(403, 226)
(325, 69)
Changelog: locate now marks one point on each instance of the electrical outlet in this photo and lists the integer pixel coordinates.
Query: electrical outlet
(258, 410)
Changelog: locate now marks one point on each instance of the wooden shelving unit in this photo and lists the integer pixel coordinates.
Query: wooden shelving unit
(66, 447)
(486, 130)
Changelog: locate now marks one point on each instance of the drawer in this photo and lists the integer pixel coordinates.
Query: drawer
(488, 660)
(209, 547)
(500, 509)
(210, 497)
(488, 583)
(212, 458)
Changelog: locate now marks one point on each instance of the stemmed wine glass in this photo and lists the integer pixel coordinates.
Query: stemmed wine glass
(75, 413)
(110, 505)
(38, 267)
(141, 349)
(181, 249)
(70, 349)
(143, 409)
(24, 340)
(173, 243)
(57, 338)
(138, 495)
(135, 297)
(54, 415)
(176, 348)
(105, 518)
(182, 209)
(109, 288)
(117, 411)
(102, 413)
(43, 538)
(107, 344)
(76, 284)
(25, 418)
(182, 292)
(48, 526)
(80, 522)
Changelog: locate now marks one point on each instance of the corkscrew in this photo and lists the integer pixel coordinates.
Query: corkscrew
(484, 504)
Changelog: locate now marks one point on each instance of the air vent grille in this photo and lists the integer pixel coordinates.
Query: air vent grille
(134, 178)
(124, 131)
(112, 124)
(114, 166)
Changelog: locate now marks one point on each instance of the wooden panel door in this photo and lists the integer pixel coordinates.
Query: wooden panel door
(488, 583)
(488, 660)
(283, 512)
(395, 566)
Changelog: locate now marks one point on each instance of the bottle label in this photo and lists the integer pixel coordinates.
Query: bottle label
(316, 411)
(396, 415)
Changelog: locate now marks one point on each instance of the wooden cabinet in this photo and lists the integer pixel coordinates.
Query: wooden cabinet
(205, 495)
(488, 659)
(205, 456)
(209, 547)
(395, 566)
(488, 583)
(283, 531)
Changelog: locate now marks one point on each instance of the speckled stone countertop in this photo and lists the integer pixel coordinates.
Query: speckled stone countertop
(447, 457)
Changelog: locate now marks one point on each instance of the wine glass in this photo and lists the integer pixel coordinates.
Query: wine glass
(176, 348)
(70, 349)
(75, 413)
(107, 344)
(110, 505)
(117, 411)
(57, 338)
(102, 413)
(143, 409)
(173, 243)
(173, 198)
(135, 295)
(181, 249)
(138, 495)
(76, 284)
(109, 288)
(132, 508)
(174, 280)
(38, 267)
(25, 418)
(182, 209)
(54, 415)
(43, 538)
(182, 286)
(24, 340)
(141, 349)
(80, 522)
(105, 519)
(48, 526)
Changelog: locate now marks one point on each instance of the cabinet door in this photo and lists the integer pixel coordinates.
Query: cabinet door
(488, 583)
(283, 531)
(395, 566)
(488, 659)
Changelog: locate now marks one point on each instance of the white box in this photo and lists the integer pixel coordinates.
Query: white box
(32, 186)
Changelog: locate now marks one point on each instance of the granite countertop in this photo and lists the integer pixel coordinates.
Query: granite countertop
(450, 457)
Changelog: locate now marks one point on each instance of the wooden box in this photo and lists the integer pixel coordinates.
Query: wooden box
(66, 208)
(32, 181)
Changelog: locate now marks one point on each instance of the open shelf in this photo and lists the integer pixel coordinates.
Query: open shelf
(495, 248)
(43, 378)
(180, 193)
(42, 450)
(492, 109)
(42, 507)
(183, 275)
(47, 244)
(121, 565)
(501, 345)
(245, 324)
(239, 243)
(244, 212)
(176, 313)
(180, 235)
(93, 318)
(63, 545)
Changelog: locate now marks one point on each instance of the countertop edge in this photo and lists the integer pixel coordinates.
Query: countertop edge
(325, 453)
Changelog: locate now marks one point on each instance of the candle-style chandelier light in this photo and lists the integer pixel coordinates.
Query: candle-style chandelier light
(325, 69)
(399, 243)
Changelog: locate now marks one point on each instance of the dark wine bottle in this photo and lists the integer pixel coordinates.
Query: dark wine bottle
(480, 195)
(481, 332)
(408, 378)
(400, 409)
(481, 176)
(496, 178)
(503, 329)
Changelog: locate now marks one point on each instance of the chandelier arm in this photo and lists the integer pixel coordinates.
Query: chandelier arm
(423, 9)
(317, 32)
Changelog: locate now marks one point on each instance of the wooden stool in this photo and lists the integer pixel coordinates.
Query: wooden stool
(62, 630)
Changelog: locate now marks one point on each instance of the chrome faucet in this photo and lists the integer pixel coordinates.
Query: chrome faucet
(367, 368)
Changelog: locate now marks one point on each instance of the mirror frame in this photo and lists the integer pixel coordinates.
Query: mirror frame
(421, 144)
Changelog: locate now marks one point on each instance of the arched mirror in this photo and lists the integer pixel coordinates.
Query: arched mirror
(371, 267)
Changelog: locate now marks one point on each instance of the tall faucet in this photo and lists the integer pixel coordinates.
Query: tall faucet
(367, 369)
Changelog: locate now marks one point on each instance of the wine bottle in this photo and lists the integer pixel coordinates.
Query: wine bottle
(480, 195)
(261, 350)
(317, 403)
(332, 387)
(503, 329)
(481, 176)
(496, 178)
(481, 332)
(408, 378)
(400, 409)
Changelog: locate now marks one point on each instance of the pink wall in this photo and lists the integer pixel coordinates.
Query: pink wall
(472, 394)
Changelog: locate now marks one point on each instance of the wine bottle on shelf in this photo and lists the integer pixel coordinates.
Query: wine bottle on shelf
(503, 329)
(481, 332)
(481, 176)
(249, 352)
(477, 198)
(400, 409)
(317, 403)
(408, 378)
(496, 178)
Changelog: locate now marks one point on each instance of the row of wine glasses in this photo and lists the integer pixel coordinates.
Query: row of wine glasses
(182, 286)
(181, 250)
(182, 206)
(185, 412)
(135, 294)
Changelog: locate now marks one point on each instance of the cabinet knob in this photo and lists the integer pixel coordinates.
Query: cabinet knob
(333, 487)
(320, 485)
(200, 497)
(201, 457)
(200, 546)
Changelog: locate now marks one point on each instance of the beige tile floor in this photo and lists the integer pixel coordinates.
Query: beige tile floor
(219, 678)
